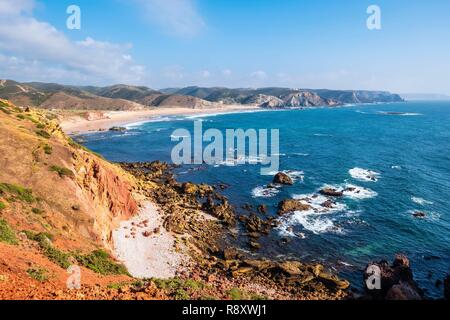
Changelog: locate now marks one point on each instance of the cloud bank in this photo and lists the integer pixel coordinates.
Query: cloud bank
(32, 49)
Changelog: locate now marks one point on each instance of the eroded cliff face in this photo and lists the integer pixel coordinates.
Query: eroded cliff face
(106, 192)
(81, 197)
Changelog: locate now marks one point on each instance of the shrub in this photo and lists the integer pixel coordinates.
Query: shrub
(63, 172)
(37, 236)
(37, 211)
(5, 110)
(20, 116)
(177, 288)
(43, 134)
(18, 192)
(235, 294)
(2, 206)
(48, 149)
(76, 145)
(99, 261)
(38, 274)
(40, 126)
(7, 234)
(44, 240)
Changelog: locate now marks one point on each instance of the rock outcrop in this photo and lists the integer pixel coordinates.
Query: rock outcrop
(282, 178)
(291, 205)
(391, 282)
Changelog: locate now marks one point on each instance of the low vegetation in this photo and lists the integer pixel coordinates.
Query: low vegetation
(43, 134)
(39, 274)
(62, 172)
(17, 192)
(37, 211)
(2, 206)
(177, 288)
(76, 145)
(48, 149)
(98, 261)
(7, 234)
(238, 294)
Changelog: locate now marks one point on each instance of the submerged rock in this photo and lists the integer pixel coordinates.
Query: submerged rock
(262, 208)
(282, 178)
(419, 214)
(331, 192)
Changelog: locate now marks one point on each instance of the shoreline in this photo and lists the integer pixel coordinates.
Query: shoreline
(91, 121)
(83, 122)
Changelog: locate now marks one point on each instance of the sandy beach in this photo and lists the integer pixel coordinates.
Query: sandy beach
(91, 121)
(145, 247)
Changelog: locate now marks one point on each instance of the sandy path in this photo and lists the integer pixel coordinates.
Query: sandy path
(151, 256)
(72, 124)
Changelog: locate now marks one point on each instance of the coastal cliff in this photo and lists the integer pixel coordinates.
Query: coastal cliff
(58, 203)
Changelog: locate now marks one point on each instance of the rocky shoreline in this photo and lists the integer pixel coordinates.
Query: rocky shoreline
(205, 222)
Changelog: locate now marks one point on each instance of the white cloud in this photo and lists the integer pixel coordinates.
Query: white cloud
(205, 74)
(227, 72)
(258, 75)
(41, 47)
(16, 6)
(176, 17)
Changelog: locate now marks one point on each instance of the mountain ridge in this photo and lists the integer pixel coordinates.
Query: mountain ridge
(127, 97)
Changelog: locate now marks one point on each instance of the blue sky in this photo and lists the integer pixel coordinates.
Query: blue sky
(246, 43)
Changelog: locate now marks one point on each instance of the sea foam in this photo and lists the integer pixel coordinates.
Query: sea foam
(364, 174)
(265, 192)
(421, 201)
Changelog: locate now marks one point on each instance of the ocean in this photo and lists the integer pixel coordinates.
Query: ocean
(394, 160)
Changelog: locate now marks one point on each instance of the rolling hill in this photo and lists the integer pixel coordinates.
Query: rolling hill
(127, 97)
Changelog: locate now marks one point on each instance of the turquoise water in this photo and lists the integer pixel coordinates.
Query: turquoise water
(408, 155)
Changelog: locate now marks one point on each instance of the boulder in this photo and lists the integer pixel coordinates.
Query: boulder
(328, 204)
(291, 205)
(333, 281)
(282, 178)
(292, 268)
